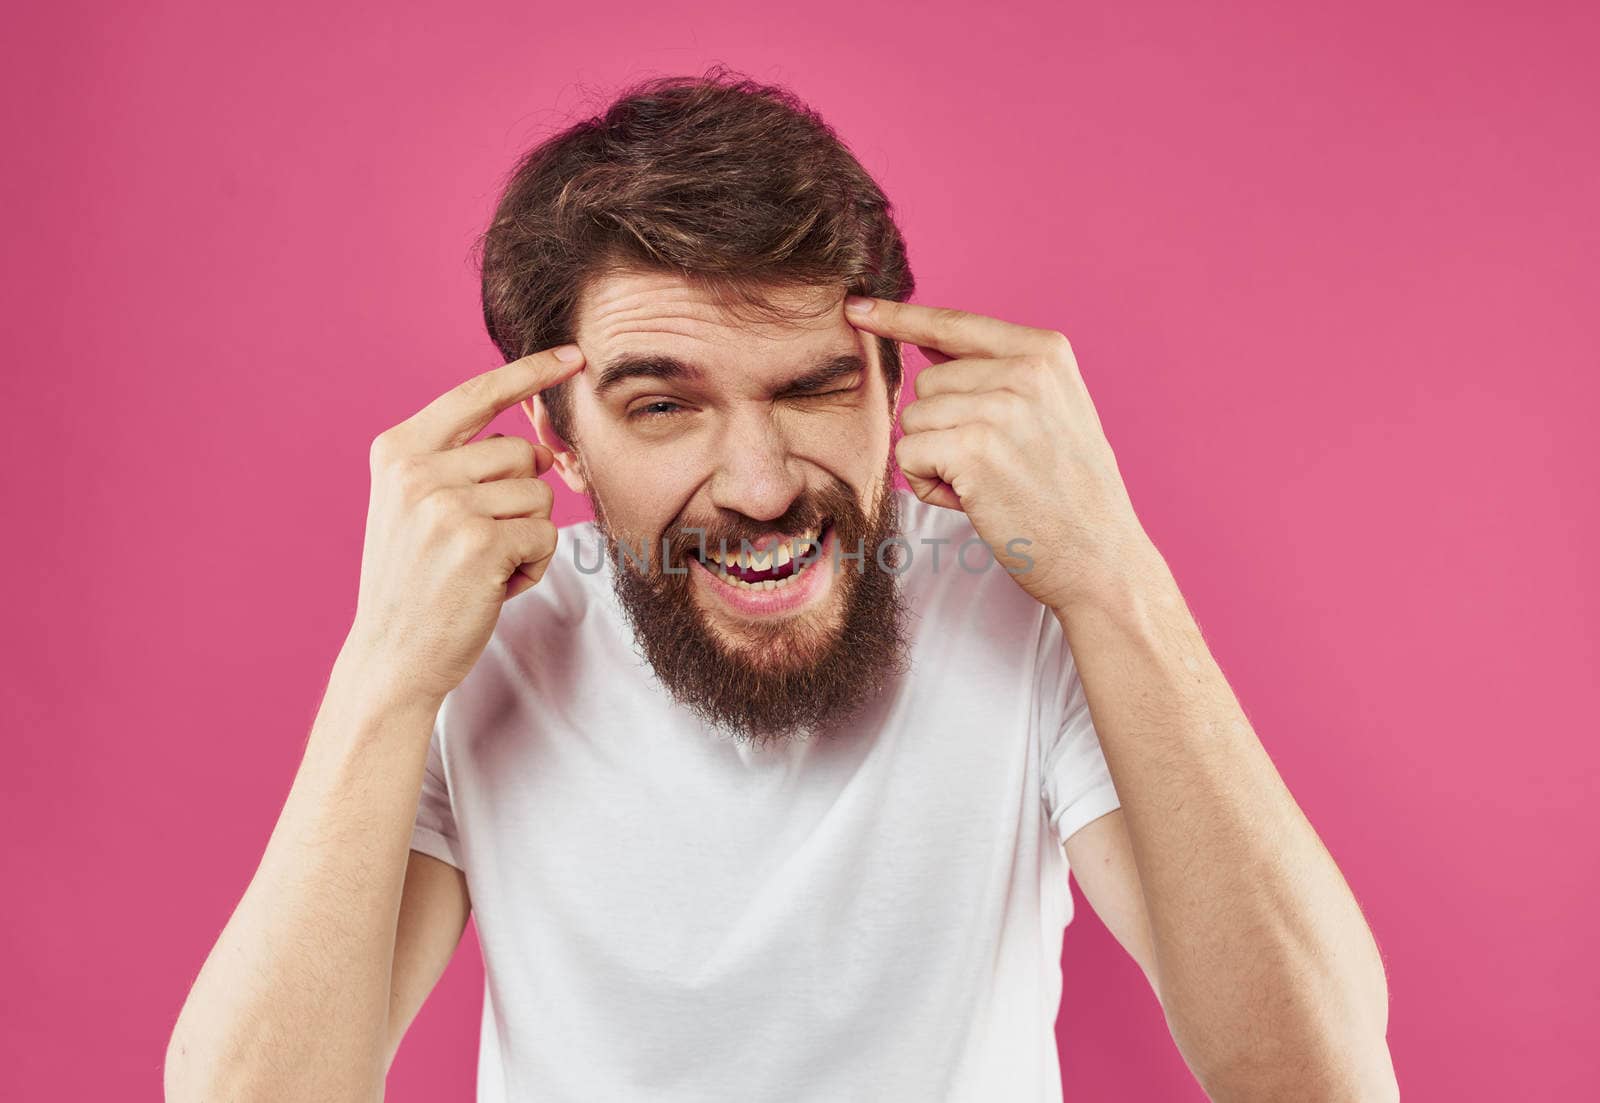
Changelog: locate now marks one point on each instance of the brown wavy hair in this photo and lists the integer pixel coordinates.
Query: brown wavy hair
(736, 187)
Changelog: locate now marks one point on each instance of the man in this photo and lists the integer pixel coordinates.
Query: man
(769, 789)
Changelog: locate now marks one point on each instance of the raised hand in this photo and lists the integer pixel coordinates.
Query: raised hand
(1003, 429)
(454, 529)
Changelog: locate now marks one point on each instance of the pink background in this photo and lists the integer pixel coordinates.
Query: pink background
(1331, 273)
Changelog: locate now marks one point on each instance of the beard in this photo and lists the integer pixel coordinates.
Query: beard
(791, 676)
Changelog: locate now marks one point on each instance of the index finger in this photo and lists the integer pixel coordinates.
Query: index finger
(953, 332)
(458, 415)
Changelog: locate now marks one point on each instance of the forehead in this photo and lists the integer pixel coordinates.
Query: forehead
(651, 312)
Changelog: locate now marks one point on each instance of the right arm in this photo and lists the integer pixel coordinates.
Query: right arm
(294, 1000)
(343, 930)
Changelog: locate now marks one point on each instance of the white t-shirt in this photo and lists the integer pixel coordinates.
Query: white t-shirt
(668, 914)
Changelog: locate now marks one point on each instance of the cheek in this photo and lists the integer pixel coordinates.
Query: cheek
(642, 489)
(852, 442)
(644, 484)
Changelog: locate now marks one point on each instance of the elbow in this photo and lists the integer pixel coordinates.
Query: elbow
(190, 1075)
(1379, 1081)
(180, 1079)
(1372, 1075)
(1319, 1044)
(195, 1072)
(1325, 1057)
(1358, 1074)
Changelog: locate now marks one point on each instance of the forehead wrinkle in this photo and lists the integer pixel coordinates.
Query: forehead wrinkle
(650, 320)
(654, 306)
(651, 316)
(717, 338)
(626, 302)
(633, 302)
(652, 329)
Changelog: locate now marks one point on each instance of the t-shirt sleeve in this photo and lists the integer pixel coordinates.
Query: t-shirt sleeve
(434, 832)
(1077, 786)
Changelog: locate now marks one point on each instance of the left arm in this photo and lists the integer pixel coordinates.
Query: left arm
(1269, 977)
(1209, 873)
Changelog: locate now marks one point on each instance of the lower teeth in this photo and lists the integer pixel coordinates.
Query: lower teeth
(765, 584)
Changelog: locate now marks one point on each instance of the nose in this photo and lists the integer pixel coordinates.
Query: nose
(756, 475)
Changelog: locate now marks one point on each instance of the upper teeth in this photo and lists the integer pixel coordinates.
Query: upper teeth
(776, 556)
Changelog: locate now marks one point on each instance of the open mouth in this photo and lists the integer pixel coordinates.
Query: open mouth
(773, 568)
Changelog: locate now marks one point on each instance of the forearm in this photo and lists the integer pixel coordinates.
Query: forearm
(1268, 973)
(292, 1002)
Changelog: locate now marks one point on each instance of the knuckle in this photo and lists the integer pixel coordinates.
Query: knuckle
(536, 540)
(475, 537)
(523, 453)
(410, 476)
(1033, 370)
(1005, 406)
(543, 495)
(440, 507)
(1059, 351)
(945, 322)
(387, 450)
(545, 535)
(381, 448)
(475, 389)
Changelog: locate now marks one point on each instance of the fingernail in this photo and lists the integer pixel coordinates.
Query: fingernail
(857, 304)
(569, 353)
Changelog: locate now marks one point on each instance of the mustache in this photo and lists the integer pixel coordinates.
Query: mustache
(833, 670)
(832, 505)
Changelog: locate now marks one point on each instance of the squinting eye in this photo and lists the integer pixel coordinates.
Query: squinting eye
(645, 411)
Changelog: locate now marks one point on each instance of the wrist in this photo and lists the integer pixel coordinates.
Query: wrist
(1116, 578)
(368, 678)
(370, 725)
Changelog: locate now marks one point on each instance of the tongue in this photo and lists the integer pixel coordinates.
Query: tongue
(750, 574)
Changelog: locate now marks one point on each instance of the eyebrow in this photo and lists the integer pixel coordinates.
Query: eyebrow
(669, 368)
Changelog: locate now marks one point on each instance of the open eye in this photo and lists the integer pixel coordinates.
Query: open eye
(649, 410)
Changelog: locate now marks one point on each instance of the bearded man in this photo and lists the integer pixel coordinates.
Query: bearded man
(768, 787)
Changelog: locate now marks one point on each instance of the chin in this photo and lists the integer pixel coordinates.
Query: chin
(791, 644)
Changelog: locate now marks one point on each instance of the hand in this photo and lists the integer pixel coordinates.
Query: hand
(453, 529)
(1003, 429)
